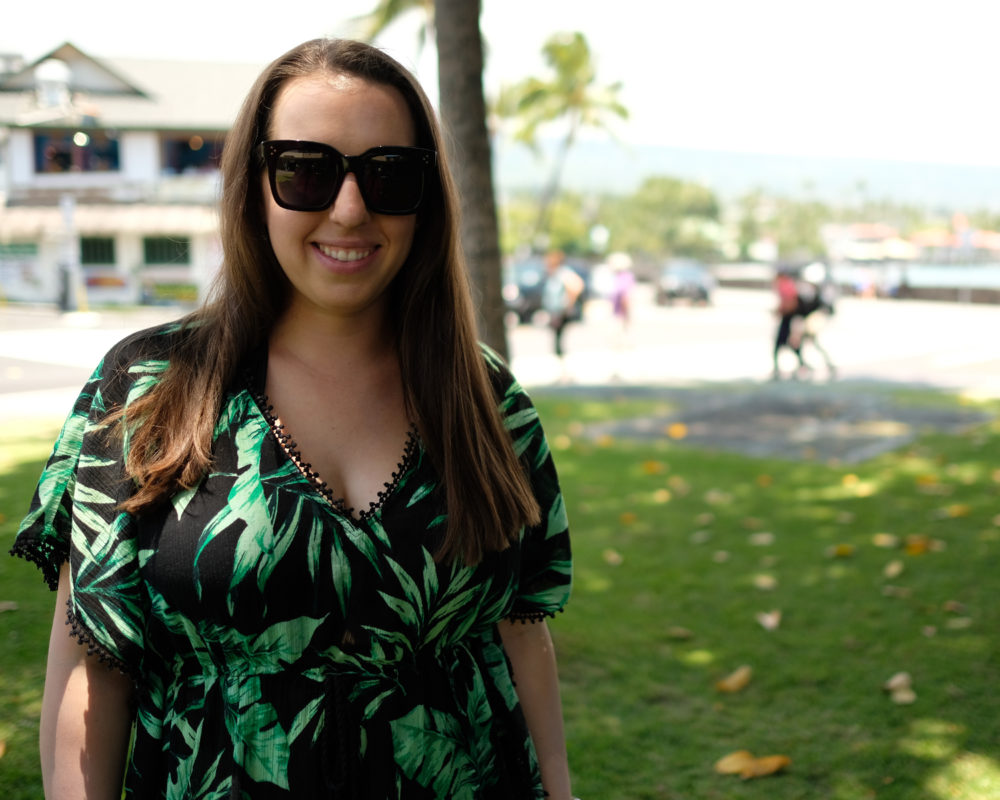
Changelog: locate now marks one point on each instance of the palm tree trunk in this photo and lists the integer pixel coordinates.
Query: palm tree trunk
(463, 112)
(555, 180)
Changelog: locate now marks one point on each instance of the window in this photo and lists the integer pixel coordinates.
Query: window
(194, 153)
(97, 250)
(76, 151)
(166, 250)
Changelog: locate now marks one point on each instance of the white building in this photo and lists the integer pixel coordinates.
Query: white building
(109, 176)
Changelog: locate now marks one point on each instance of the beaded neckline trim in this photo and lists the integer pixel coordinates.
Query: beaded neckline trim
(291, 449)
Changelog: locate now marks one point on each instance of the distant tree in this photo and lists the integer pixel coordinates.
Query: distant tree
(571, 95)
(665, 217)
(454, 25)
(571, 219)
(388, 11)
(796, 225)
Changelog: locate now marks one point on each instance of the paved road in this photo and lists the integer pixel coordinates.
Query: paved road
(945, 345)
(45, 357)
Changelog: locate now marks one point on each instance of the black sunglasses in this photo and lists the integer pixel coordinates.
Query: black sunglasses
(306, 176)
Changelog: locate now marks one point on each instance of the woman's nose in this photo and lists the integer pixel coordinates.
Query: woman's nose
(349, 207)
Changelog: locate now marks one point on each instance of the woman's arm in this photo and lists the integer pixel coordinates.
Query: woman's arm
(86, 723)
(532, 656)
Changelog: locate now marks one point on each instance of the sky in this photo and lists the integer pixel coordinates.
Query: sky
(910, 80)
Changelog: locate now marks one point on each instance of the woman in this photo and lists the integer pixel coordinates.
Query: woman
(309, 524)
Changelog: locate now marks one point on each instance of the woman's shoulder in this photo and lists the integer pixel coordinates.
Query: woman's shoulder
(496, 366)
(156, 343)
(141, 354)
(502, 379)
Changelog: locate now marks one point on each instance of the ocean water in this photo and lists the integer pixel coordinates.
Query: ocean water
(946, 276)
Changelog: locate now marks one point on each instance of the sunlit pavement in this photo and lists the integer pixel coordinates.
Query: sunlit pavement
(943, 345)
(45, 356)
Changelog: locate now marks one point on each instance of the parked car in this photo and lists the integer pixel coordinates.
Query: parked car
(523, 282)
(522, 287)
(684, 279)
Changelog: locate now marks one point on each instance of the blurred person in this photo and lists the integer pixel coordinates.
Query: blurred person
(306, 538)
(562, 296)
(624, 283)
(816, 297)
(787, 293)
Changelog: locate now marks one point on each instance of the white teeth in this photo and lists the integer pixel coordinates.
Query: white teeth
(344, 255)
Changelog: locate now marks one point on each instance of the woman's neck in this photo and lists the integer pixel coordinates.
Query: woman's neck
(331, 344)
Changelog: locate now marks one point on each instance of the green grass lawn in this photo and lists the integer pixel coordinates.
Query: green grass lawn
(877, 568)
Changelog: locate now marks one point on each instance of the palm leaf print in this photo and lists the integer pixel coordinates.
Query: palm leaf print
(429, 751)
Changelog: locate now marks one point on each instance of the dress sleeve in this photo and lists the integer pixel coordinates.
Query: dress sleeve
(546, 574)
(74, 516)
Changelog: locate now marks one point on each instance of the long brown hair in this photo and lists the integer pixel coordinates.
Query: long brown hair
(487, 492)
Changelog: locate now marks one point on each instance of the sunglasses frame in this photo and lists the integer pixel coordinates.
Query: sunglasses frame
(271, 150)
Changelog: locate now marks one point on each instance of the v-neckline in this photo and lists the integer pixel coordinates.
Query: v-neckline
(256, 376)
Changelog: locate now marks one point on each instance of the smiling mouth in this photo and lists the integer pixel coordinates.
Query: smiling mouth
(341, 254)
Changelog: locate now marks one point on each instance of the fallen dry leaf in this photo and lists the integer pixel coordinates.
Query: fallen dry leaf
(677, 430)
(917, 544)
(765, 582)
(661, 496)
(743, 763)
(764, 481)
(766, 765)
(562, 442)
(678, 484)
(653, 467)
(736, 681)
(954, 607)
(762, 539)
(958, 623)
(734, 763)
(628, 518)
(903, 697)
(901, 680)
(679, 633)
(769, 620)
(3, 748)
(717, 497)
(612, 557)
(893, 569)
(887, 541)
(954, 510)
(900, 689)
(842, 550)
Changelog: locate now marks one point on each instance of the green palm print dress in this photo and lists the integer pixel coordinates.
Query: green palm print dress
(282, 646)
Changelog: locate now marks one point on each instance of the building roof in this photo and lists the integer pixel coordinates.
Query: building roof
(134, 94)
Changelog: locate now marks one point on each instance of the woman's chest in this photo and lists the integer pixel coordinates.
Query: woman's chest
(256, 544)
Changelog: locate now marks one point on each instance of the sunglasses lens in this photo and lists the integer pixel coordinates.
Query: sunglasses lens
(392, 183)
(306, 179)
